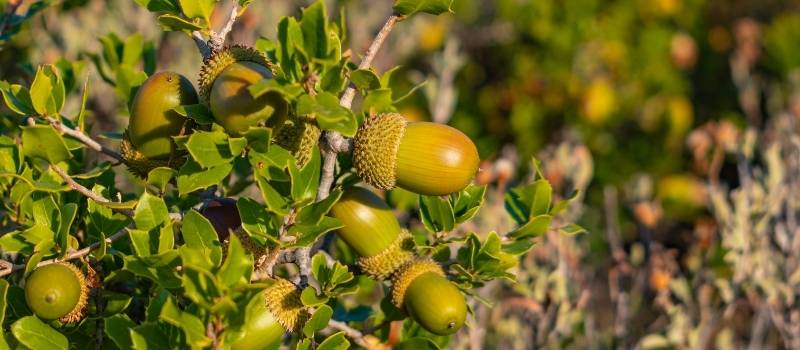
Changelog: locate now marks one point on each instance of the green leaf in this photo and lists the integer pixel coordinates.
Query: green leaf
(467, 202)
(365, 79)
(308, 234)
(198, 233)
(198, 9)
(172, 22)
(266, 85)
(329, 114)
(314, 25)
(378, 101)
(150, 336)
(159, 177)
(150, 213)
(436, 213)
(47, 91)
(17, 98)
(118, 329)
(337, 341)
(536, 227)
(275, 202)
(255, 218)
(417, 344)
(572, 229)
(192, 327)
(209, 149)
(197, 112)
(159, 6)
(44, 142)
(542, 195)
(434, 7)
(3, 300)
(192, 177)
(238, 266)
(200, 286)
(35, 334)
(132, 50)
(314, 213)
(318, 320)
(309, 297)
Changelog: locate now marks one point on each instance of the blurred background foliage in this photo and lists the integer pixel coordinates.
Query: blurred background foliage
(662, 112)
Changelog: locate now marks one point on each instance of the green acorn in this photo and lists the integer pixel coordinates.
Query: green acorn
(422, 290)
(299, 135)
(147, 143)
(57, 291)
(283, 301)
(426, 158)
(261, 329)
(224, 82)
(372, 230)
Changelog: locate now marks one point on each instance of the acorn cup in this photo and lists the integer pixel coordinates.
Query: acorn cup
(422, 290)
(224, 82)
(147, 142)
(371, 229)
(57, 291)
(279, 310)
(299, 135)
(283, 301)
(427, 158)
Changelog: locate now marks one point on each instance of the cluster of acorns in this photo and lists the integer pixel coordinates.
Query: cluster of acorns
(426, 158)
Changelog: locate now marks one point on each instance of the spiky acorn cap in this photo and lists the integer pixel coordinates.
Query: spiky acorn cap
(411, 270)
(299, 135)
(220, 60)
(283, 301)
(140, 165)
(45, 289)
(375, 149)
(386, 263)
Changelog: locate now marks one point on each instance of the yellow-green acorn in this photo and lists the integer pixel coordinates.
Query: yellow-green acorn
(371, 229)
(147, 143)
(224, 82)
(299, 135)
(426, 158)
(282, 299)
(422, 290)
(261, 329)
(57, 291)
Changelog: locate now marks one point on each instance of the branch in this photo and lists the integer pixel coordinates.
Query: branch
(88, 141)
(347, 98)
(78, 187)
(351, 333)
(216, 40)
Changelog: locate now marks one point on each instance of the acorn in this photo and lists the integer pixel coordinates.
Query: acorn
(147, 143)
(423, 291)
(423, 157)
(224, 216)
(57, 291)
(283, 301)
(373, 232)
(224, 82)
(261, 329)
(299, 135)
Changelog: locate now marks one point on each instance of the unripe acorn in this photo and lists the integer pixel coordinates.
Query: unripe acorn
(57, 291)
(422, 290)
(224, 82)
(426, 158)
(282, 299)
(371, 229)
(147, 142)
(261, 329)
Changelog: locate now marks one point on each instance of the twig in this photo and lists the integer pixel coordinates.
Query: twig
(216, 40)
(351, 333)
(78, 187)
(88, 141)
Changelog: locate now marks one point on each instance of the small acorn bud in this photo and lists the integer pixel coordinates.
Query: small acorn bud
(426, 158)
(422, 290)
(57, 291)
(283, 301)
(224, 82)
(147, 142)
(299, 135)
(372, 230)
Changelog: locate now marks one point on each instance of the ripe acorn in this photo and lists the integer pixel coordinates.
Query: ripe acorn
(423, 291)
(372, 230)
(261, 330)
(299, 135)
(283, 301)
(224, 82)
(426, 158)
(224, 216)
(57, 291)
(147, 143)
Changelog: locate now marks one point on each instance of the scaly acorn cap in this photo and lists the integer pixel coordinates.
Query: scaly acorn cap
(140, 165)
(220, 60)
(283, 301)
(384, 264)
(45, 280)
(299, 135)
(375, 149)
(411, 270)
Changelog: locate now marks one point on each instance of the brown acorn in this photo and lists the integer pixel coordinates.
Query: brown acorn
(426, 158)
(372, 230)
(224, 216)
